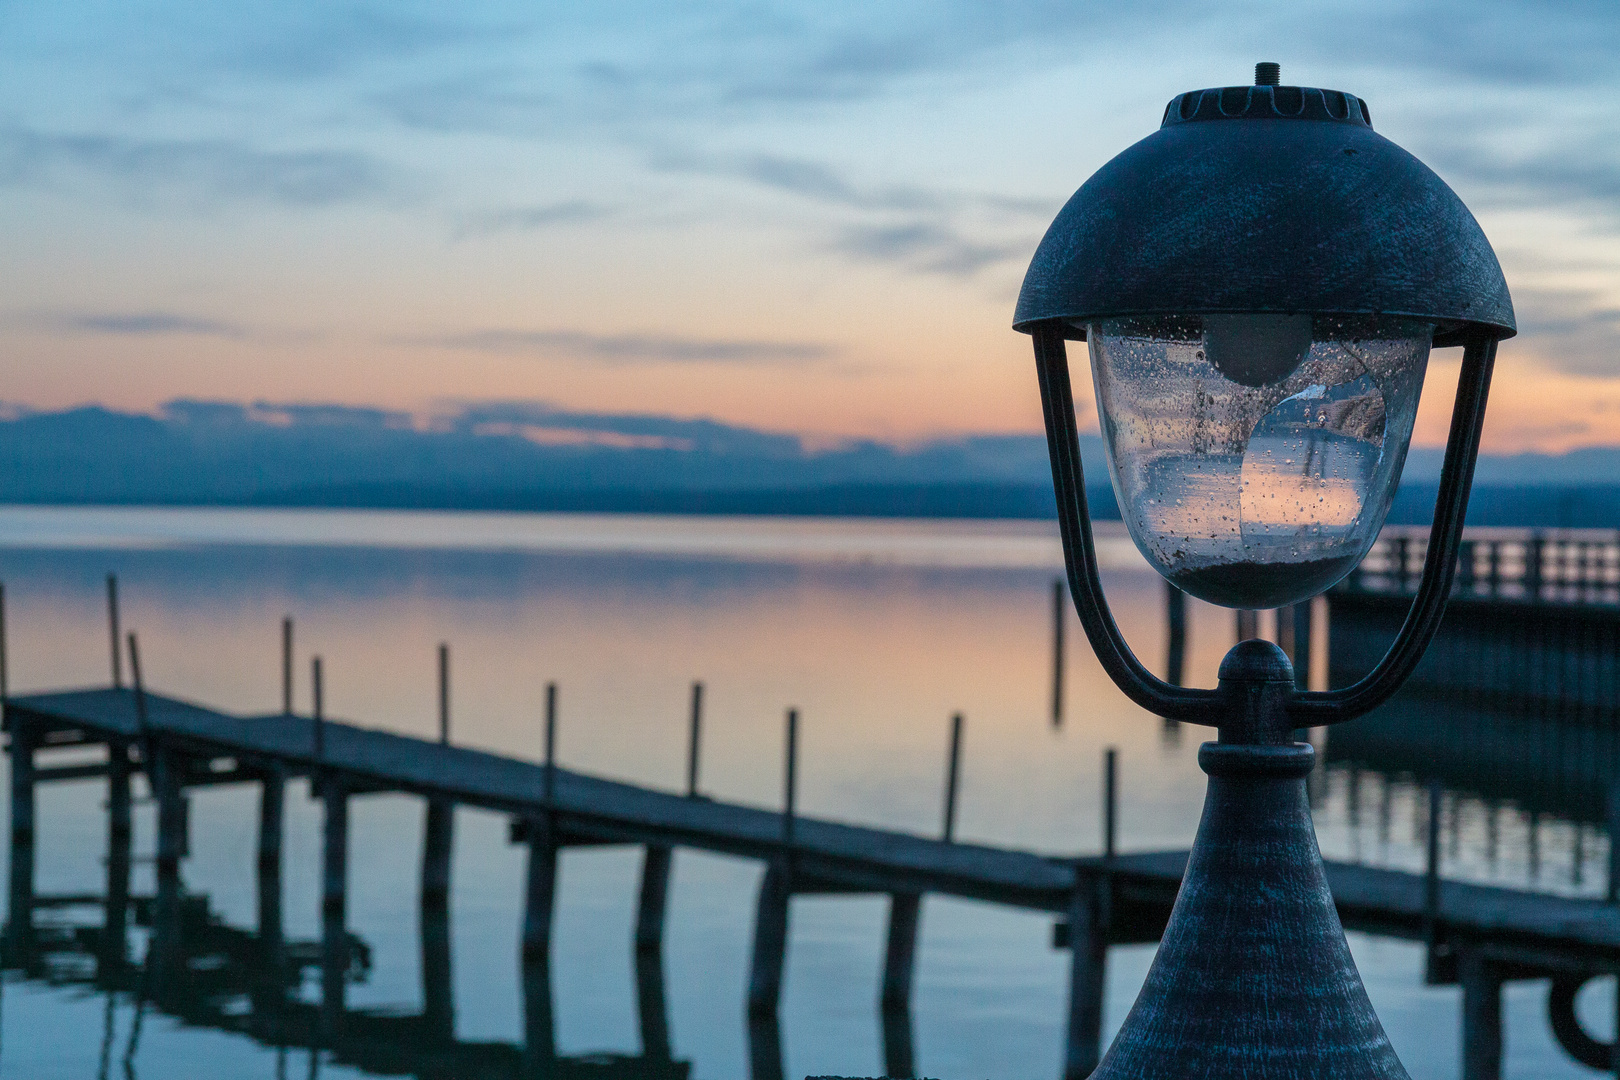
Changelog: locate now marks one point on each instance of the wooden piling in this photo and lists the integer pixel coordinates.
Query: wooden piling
(171, 848)
(790, 778)
(438, 825)
(952, 777)
(900, 956)
(317, 693)
(1431, 875)
(438, 842)
(334, 902)
(272, 807)
(20, 928)
(694, 741)
(899, 1055)
(1058, 598)
(1110, 800)
(652, 1011)
(1248, 624)
(120, 821)
(1481, 1016)
(541, 892)
(1534, 555)
(765, 1047)
(1611, 891)
(1088, 970)
(287, 666)
(438, 993)
(5, 675)
(112, 630)
(539, 1031)
(770, 941)
(1175, 603)
(551, 742)
(655, 866)
(1301, 619)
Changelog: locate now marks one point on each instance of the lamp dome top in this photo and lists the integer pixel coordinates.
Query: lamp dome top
(1267, 199)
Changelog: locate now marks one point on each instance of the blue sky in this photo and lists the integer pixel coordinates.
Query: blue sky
(809, 218)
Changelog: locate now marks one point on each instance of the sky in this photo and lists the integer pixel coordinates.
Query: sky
(808, 218)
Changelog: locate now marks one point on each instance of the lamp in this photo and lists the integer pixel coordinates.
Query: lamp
(1260, 283)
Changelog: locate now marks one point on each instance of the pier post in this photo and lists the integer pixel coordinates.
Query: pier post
(953, 775)
(438, 994)
(541, 892)
(655, 864)
(438, 827)
(1110, 801)
(770, 941)
(695, 742)
(899, 1056)
(765, 1047)
(112, 630)
(20, 927)
(1088, 944)
(1481, 1016)
(1612, 889)
(651, 1009)
(1248, 624)
(287, 666)
(1534, 550)
(272, 806)
(899, 959)
(171, 848)
(334, 902)
(1175, 604)
(1301, 656)
(115, 928)
(539, 1029)
(1059, 602)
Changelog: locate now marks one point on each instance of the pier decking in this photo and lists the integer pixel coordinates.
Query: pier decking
(1480, 936)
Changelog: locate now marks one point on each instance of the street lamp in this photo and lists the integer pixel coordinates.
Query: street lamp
(1260, 282)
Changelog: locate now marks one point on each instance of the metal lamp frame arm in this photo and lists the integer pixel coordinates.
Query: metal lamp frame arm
(1439, 564)
(1309, 709)
(1080, 551)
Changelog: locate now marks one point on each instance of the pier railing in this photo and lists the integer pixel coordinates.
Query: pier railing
(1569, 566)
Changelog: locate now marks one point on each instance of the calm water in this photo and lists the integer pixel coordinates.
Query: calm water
(877, 631)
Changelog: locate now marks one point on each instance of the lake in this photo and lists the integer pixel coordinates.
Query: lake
(875, 630)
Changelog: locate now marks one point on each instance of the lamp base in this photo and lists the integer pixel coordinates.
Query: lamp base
(1253, 977)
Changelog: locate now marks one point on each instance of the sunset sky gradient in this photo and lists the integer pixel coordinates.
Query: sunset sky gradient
(809, 218)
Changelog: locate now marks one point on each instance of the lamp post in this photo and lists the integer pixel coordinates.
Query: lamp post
(1260, 282)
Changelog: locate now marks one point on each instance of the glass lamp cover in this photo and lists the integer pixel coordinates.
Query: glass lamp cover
(1255, 456)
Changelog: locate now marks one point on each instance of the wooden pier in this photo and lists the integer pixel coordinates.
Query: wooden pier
(1476, 935)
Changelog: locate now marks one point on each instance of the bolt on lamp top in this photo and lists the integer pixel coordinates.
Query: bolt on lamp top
(1260, 282)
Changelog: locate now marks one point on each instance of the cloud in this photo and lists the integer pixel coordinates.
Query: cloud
(151, 323)
(928, 246)
(921, 229)
(632, 348)
(529, 218)
(194, 172)
(699, 433)
(1572, 330)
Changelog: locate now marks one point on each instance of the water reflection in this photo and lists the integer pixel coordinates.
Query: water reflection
(878, 634)
(236, 981)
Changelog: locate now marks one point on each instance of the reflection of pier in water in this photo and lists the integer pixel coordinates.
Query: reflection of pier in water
(1516, 705)
(241, 982)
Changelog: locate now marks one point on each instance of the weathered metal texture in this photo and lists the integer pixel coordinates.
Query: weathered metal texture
(1253, 977)
(1267, 199)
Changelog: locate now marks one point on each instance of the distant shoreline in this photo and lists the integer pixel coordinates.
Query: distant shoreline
(1585, 507)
